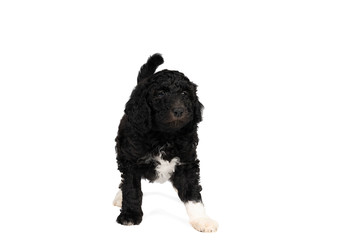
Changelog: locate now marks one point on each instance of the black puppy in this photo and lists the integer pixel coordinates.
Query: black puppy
(157, 140)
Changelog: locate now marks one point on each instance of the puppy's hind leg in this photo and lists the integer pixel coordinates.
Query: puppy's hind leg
(118, 199)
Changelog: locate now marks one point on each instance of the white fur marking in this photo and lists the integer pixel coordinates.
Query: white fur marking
(118, 199)
(198, 218)
(195, 209)
(165, 168)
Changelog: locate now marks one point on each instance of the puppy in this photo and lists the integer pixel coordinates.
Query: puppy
(157, 140)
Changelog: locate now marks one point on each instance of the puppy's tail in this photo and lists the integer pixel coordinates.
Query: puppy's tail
(150, 66)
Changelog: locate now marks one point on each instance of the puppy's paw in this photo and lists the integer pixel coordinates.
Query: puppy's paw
(129, 218)
(204, 224)
(118, 199)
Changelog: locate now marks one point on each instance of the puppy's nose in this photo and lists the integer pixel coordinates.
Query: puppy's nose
(178, 112)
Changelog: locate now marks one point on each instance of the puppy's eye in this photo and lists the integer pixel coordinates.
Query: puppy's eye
(160, 94)
(184, 93)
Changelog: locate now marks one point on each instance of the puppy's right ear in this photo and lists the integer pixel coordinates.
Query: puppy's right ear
(150, 66)
(138, 110)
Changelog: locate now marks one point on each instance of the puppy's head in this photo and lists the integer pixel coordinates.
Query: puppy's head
(165, 101)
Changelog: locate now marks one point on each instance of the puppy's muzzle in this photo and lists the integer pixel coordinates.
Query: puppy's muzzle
(178, 112)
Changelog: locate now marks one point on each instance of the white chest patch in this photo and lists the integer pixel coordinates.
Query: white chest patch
(165, 168)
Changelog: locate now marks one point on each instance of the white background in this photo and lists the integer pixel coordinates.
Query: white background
(279, 144)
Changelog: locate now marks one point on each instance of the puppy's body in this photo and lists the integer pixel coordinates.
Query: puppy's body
(157, 140)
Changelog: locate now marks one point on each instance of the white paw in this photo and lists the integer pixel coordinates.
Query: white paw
(128, 223)
(204, 224)
(118, 199)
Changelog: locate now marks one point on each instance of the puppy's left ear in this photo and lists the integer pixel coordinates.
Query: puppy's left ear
(198, 108)
(138, 110)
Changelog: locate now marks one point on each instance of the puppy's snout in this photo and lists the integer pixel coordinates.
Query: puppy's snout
(178, 112)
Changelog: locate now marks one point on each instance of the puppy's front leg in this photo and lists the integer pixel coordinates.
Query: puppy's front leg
(131, 212)
(186, 182)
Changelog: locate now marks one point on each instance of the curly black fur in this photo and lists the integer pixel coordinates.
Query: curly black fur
(160, 118)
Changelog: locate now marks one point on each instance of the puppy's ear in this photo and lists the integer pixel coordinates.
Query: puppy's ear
(138, 110)
(198, 108)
